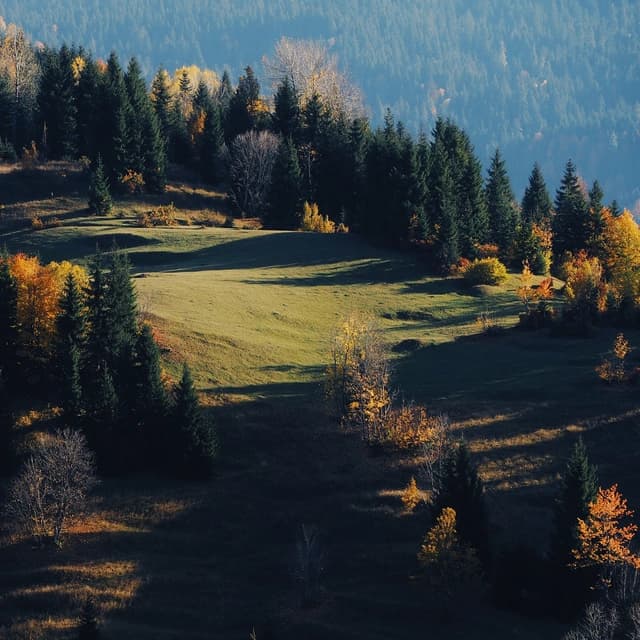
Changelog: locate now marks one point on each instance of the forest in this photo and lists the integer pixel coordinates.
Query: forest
(548, 79)
(235, 313)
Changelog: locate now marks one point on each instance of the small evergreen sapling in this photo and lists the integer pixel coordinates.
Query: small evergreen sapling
(100, 201)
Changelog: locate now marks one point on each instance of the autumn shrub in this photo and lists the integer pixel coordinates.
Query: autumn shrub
(487, 250)
(162, 216)
(585, 288)
(488, 271)
(313, 220)
(30, 156)
(613, 368)
(36, 223)
(408, 426)
(342, 228)
(132, 182)
(411, 496)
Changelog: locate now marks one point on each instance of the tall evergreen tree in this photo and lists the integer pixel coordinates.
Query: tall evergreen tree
(359, 138)
(100, 201)
(224, 93)
(578, 490)
(473, 214)
(212, 147)
(88, 92)
(240, 115)
(536, 202)
(461, 489)
(284, 193)
(71, 321)
(286, 116)
(56, 103)
(596, 221)
(8, 325)
(503, 214)
(571, 225)
(161, 100)
(194, 444)
(99, 332)
(70, 380)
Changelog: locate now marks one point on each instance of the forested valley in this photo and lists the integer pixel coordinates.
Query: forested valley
(272, 367)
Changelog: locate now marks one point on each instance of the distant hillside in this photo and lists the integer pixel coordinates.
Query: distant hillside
(544, 79)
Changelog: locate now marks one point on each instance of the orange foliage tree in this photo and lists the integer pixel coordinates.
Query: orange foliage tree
(39, 289)
(603, 538)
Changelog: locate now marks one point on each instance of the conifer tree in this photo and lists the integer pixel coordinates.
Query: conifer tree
(284, 193)
(71, 325)
(212, 146)
(99, 333)
(100, 201)
(596, 222)
(460, 488)
(194, 442)
(121, 305)
(286, 117)
(151, 397)
(571, 225)
(224, 93)
(88, 628)
(8, 325)
(503, 215)
(536, 202)
(161, 100)
(240, 115)
(103, 433)
(56, 103)
(88, 96)
(473, 214)
(578, 489)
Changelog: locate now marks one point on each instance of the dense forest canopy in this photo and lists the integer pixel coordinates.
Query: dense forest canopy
(544, 80)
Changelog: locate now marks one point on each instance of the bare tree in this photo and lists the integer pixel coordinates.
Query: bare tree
(313, 70)
(309, 564)
(52, 487)
(252, 157)
(435, 452)
(18, 61)
(599, 623)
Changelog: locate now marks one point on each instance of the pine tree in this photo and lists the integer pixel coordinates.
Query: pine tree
(240, 115)
(194, 444)
(461, 488)
(103, 430)
(536, 202)
(8, 325)
(286, 117)
(56, 103)
(88, 628)
(473, 214)
(99, 333)
(578, 489)
(122, 306)
(71, 385)
(596, 223)
(151, 397)
(161, 100)
(224, 93)
(284, 193)
(571, 225)
(88, 96)
(212, 146)
(503, 215)
(100, 201)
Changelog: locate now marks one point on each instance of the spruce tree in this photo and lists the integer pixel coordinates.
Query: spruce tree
(151, 398)
(161, 100)
(99, 332)
(89, 94)
(193, 442)
(8, 326)
(571, 225)
(284, 192)
(596, 222)
(286, 117)
(473, 214)
(503, 215)
(103, 430)
(578, 489)
(122, 306)
(100, 201)
(71, 386)
(88, 628)
(212, 146)
(536, 202)
(224, 93)
(461, 488)
(240, 115)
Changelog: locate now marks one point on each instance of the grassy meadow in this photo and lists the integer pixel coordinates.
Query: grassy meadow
(254, 313)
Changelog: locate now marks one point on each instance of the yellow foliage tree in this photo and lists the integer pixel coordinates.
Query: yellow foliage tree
(313, 220)
(357, 379)
(585, 289)
(451, 565)
(195, 75)
(411, 496)
(39, 290)
(603, 540)
(613, 369)
(620, 252)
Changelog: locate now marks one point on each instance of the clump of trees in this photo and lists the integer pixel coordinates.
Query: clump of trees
(83, 327)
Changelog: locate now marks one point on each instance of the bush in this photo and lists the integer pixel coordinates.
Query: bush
(411, 496)
(485, 271)
(163, 216)
(408, 426)
(313, 220)
(613, 369)
(132, 181)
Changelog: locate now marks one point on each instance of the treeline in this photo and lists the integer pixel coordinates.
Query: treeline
(74, 339)
(504, 73)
